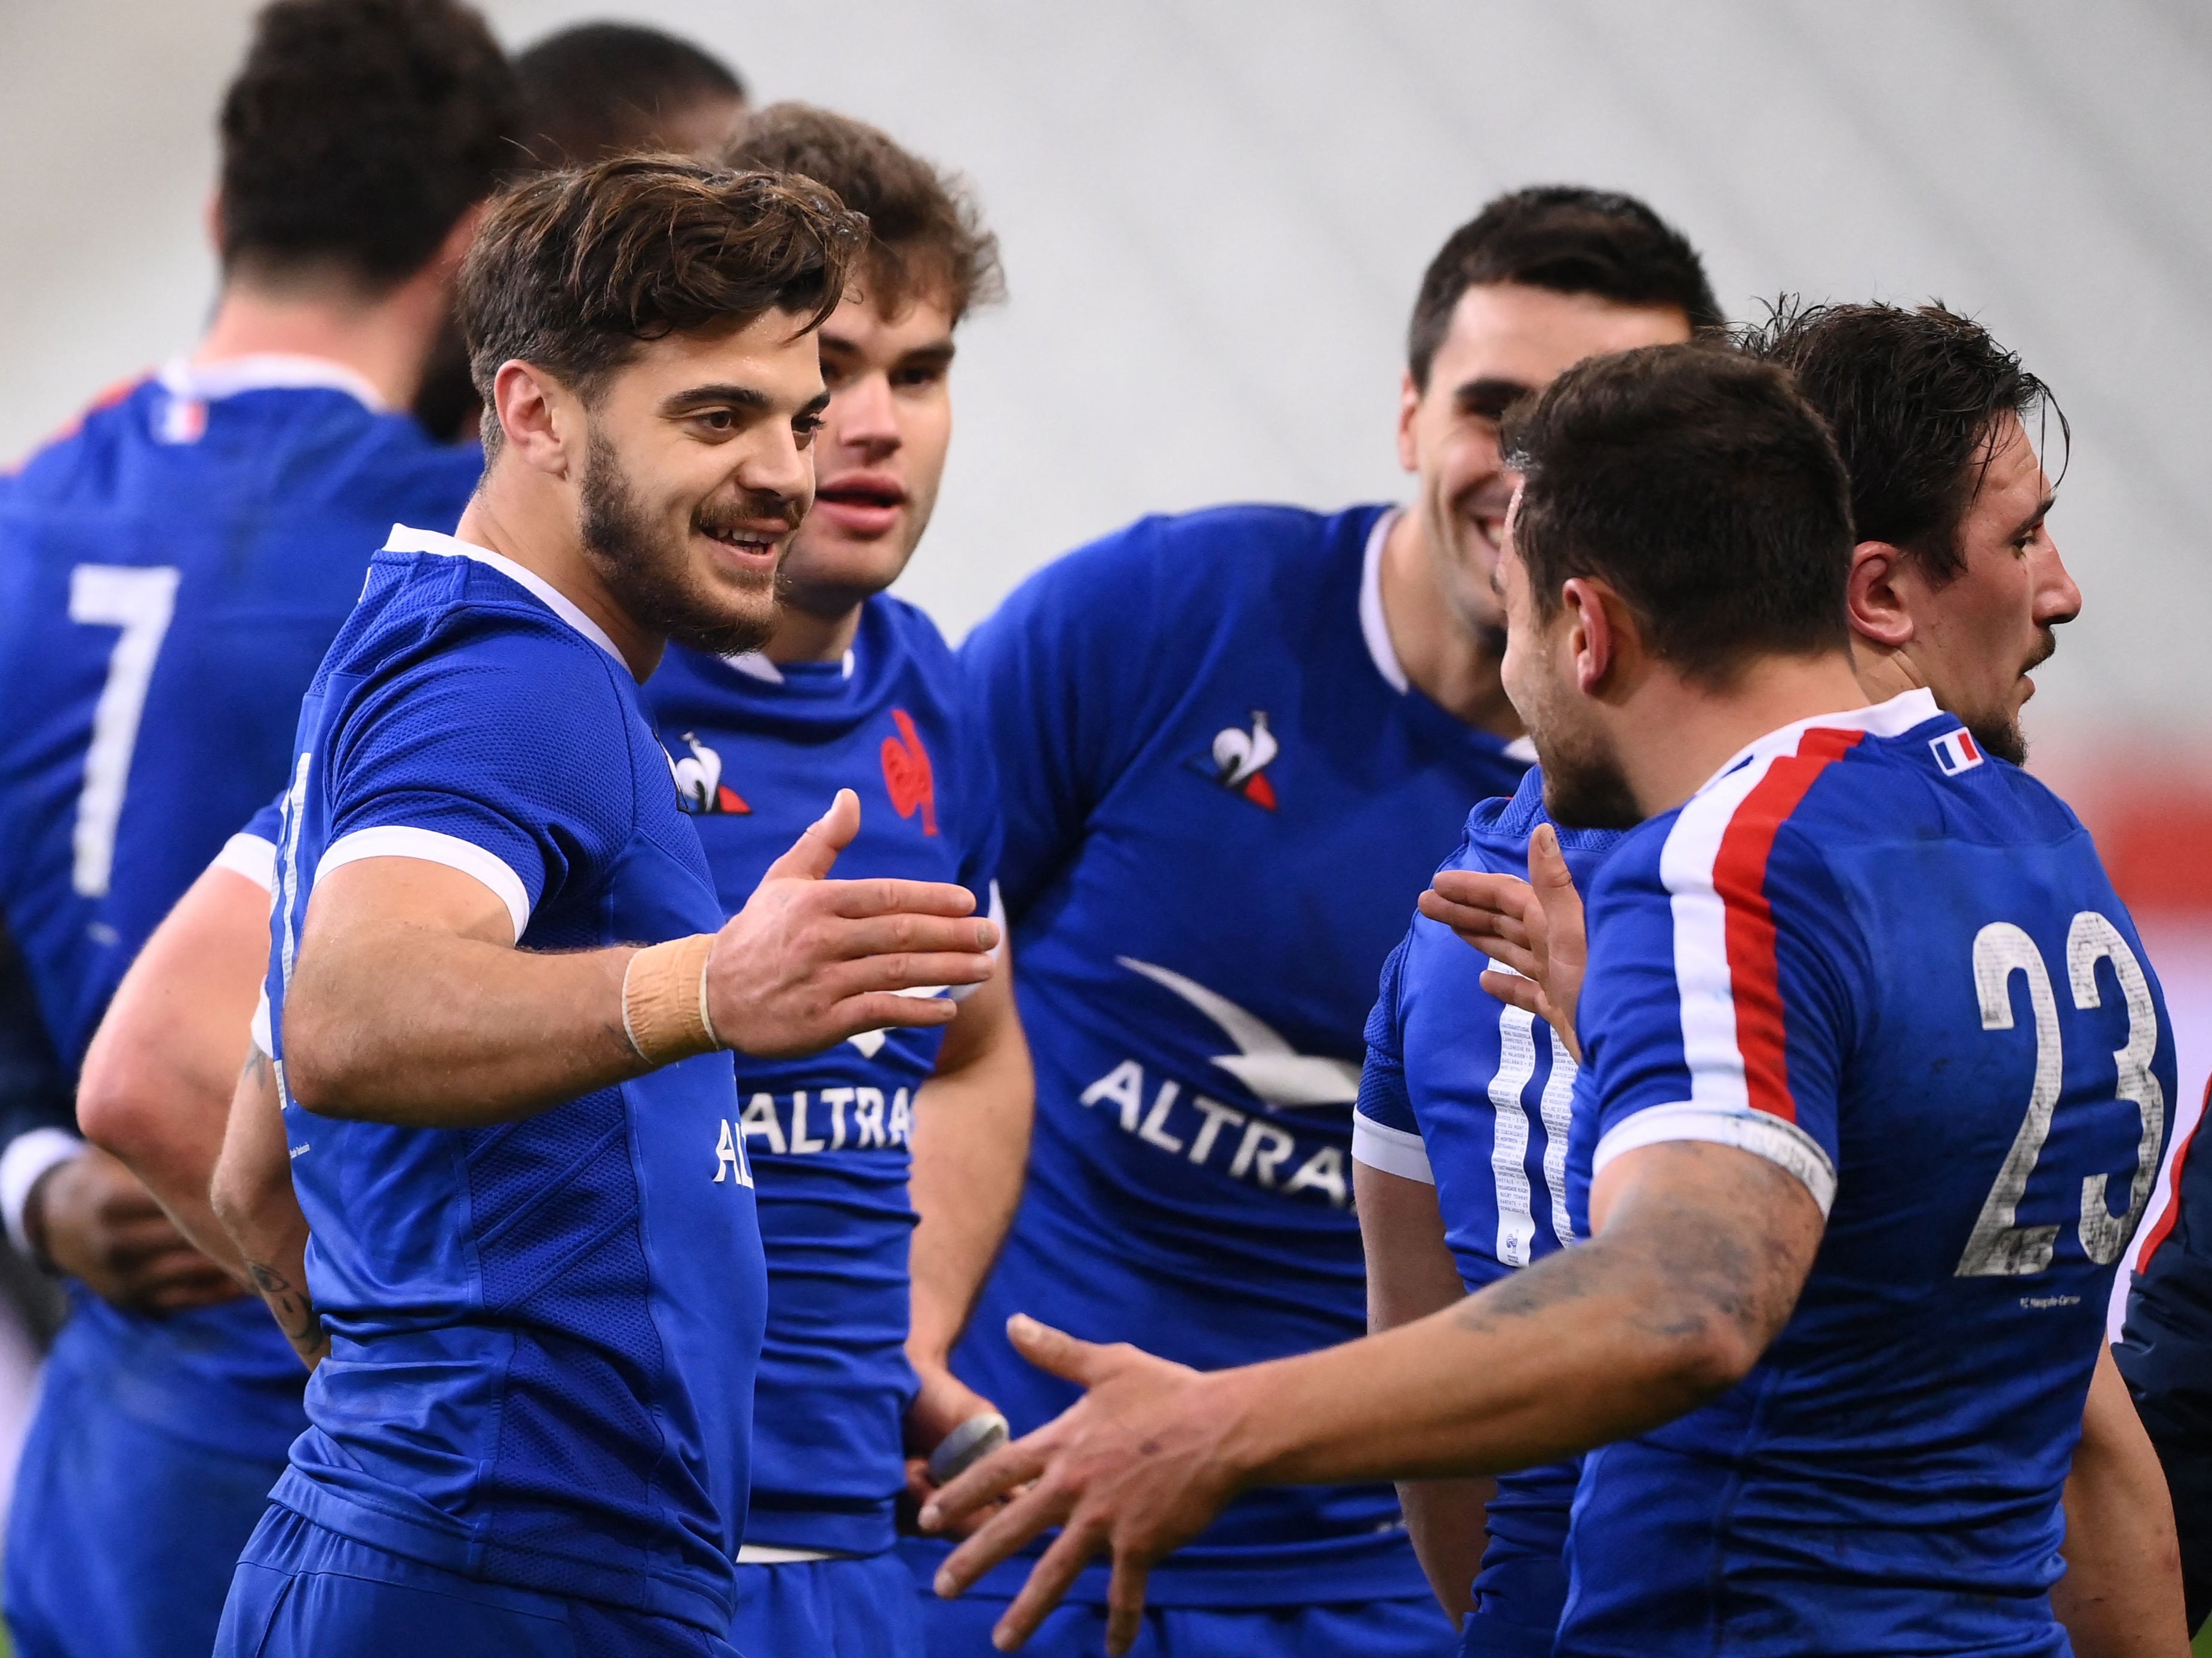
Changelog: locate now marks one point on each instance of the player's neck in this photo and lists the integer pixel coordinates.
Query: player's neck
(1441, 652)
(1676, 734)
(813, 629)
(535, 527)
(385, 341)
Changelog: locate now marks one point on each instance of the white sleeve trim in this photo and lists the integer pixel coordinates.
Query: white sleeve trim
(250, 856)
(264, 1041)
(406, 840)
(1782, 1143)
(1393, 1151)
(998, 918)
(23, 1165)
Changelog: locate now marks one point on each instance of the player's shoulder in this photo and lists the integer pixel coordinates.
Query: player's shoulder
(1164, 566)
(907, 636)
(85, 451)
(436, 607)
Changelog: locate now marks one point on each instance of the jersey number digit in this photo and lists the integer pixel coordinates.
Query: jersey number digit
(140, 602)
(1997, 1246)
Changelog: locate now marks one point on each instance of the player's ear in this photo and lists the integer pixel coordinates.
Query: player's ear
(1409, 405)
(533, 409)
(1879, 612)
(1594, 640)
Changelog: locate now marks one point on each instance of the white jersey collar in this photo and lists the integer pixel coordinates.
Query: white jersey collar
(406, 540)
(1374, 626)
(1899, 716)
(210, 382)
(755, 664)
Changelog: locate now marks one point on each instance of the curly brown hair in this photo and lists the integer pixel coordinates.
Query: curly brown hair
(573, 270)
(925, 234)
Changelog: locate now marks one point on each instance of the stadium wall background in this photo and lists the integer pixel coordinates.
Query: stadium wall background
(1214, 213)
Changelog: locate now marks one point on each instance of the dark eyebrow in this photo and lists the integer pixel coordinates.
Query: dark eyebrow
(2026, 526)
(1490, 396)
(703, 396)
(935, 352)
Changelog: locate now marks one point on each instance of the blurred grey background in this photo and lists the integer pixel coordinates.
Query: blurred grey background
(1215, 212)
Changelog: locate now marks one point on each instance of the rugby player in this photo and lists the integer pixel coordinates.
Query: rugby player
(171, 571)
(855, 689)
(1957, 584)
(157, 1078)
(1230, 746)
(1847, 1151)
(514, 1133)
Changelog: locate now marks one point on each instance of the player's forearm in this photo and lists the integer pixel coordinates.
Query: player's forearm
(156, 1083)
(2122, 1594)
(251, 1196)
(1584, 1347)
(1448, 1522)
(426, 1029)
(971, 1139)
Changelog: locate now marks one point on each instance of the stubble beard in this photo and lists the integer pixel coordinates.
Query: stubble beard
(648, 572)
(1584, 787)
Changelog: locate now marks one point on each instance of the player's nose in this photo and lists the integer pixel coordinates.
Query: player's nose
(867, 417)
(2057, 600)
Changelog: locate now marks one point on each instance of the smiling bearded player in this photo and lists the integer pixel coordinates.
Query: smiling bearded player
(1231, 747)
(511, 1129)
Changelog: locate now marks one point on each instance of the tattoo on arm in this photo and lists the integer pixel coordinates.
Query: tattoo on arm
(295, 1313)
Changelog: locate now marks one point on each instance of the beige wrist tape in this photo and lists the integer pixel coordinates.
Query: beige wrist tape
(664, 1000)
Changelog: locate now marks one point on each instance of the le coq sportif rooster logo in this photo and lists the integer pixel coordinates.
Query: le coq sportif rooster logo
(907, 775)
(699, 785)
(1239, 760)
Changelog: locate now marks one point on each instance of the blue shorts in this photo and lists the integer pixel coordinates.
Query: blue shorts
(1412, 1628)
(303, 1591)
(121, 1537)
(863, 1609)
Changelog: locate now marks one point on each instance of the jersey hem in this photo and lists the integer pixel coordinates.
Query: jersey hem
(464, 1551)
(1318, 1576)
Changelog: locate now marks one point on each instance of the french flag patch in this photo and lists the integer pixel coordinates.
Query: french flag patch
(1955, 751)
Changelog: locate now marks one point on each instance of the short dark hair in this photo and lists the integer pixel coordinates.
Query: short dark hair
(572, 271)
(1700, 486)
(603, 89)
(358, 132)
(1569, 239)
(925, 231)
(1915, 398)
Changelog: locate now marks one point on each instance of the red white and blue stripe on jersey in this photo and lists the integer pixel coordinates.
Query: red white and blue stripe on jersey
(1727, 978)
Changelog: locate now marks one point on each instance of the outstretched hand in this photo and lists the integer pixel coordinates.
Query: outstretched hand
(1532, 930)
(1135, 1469)
(809, 961)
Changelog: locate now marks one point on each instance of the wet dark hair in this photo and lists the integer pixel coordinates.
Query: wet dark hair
(1571, 241)
(357, 133)
(1699, 484)
(1917, 399)
(923, 230)
(573, 270)
(603, 89)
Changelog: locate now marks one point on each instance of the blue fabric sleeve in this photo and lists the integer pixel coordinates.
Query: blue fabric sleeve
(1721, 1009)
(1382, 1094)
(513, 738)
(1056, 676)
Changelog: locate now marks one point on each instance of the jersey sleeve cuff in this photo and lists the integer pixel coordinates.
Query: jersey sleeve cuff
(998, 916)
(26, 1161)
(250, 856)
(406, 840)
(1393, 1150)
(1760, 1133)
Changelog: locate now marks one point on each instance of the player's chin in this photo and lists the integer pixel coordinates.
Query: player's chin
(728, 615)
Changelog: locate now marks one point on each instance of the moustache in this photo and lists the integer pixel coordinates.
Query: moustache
(2046, 646)
(754, 506)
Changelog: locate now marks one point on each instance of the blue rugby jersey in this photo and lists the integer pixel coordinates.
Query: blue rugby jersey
(1473, 1097)
(171, 571)
(1895, 968)
(761, 750)
(1221, 799)
(543, 1333)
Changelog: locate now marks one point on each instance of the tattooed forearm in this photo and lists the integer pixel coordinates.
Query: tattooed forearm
(295, 1313)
